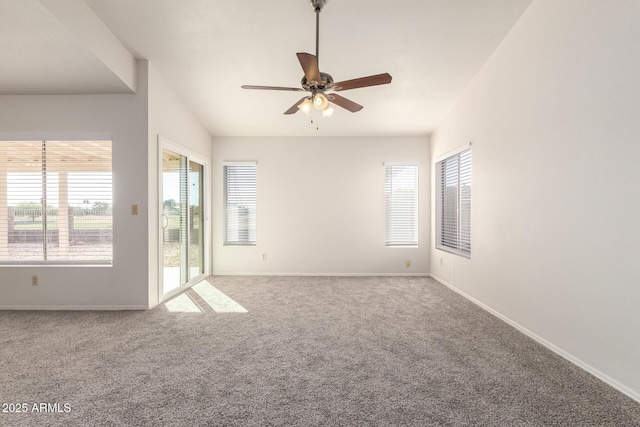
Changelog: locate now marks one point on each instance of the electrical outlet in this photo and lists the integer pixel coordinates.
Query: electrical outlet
(34, 280)
(264, 256)
(134, 209)
(408, 263)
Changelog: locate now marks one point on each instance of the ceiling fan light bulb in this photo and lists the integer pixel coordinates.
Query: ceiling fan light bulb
(320, 102)
(327, 111)
(305, 106)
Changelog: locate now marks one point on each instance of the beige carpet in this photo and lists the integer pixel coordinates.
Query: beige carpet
(295, 351)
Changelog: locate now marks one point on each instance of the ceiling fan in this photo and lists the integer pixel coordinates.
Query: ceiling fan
(321, 85)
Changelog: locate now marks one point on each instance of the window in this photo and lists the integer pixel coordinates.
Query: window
(453, 203)
(240, 203)
(401, 195)
(55, 202)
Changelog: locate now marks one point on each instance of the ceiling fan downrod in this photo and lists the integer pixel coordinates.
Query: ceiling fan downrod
(318, 5)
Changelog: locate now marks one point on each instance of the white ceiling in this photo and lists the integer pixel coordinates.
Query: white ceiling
(38, 55)
(206, 49)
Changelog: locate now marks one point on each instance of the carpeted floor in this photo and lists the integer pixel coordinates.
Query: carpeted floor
(307, 351)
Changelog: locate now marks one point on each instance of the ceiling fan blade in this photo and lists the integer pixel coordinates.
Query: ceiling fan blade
(310, 66)
(292, 89)
(378, 79)
(344, 103)
(294, 108)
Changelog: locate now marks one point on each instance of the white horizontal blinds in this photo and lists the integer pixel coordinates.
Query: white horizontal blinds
(56, 205)
(454, 203)
(21, 226)
(401, 195)
(184, 216)
(465, 202)
(240, 194)
(449, 190)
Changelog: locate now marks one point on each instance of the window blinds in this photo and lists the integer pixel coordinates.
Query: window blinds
(240, 203)
(55, 202)
(453, 203)
(401, 195)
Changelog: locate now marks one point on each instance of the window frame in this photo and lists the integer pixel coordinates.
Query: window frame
(389, 241)
(461, 244)
(53, 166)
(252, 226)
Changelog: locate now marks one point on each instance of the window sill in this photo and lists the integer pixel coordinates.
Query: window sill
(453, 251)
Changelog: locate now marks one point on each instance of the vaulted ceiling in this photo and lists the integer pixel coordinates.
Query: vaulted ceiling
(207, 49)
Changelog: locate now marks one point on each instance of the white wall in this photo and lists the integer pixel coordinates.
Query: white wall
(321, 206)
(133, 122)
(123, 118)
(553, 117)
(169, 118)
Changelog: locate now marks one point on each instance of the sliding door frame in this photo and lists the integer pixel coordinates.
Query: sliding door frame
(167, 144)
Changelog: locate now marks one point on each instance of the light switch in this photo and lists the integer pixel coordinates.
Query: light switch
(134, 209)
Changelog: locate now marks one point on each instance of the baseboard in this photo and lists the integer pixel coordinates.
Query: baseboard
(560, 352)
(325, 274)
(75, 308)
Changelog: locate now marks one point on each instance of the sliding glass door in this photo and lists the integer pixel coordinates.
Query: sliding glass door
(196, 215)
(182, 220)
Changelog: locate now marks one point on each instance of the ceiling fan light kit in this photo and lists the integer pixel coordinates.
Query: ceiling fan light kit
(327, 111)
(320, 102)
(321, 85)
(305, 106)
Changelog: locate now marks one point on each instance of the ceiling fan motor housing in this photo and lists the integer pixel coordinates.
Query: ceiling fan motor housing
(327, 80)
